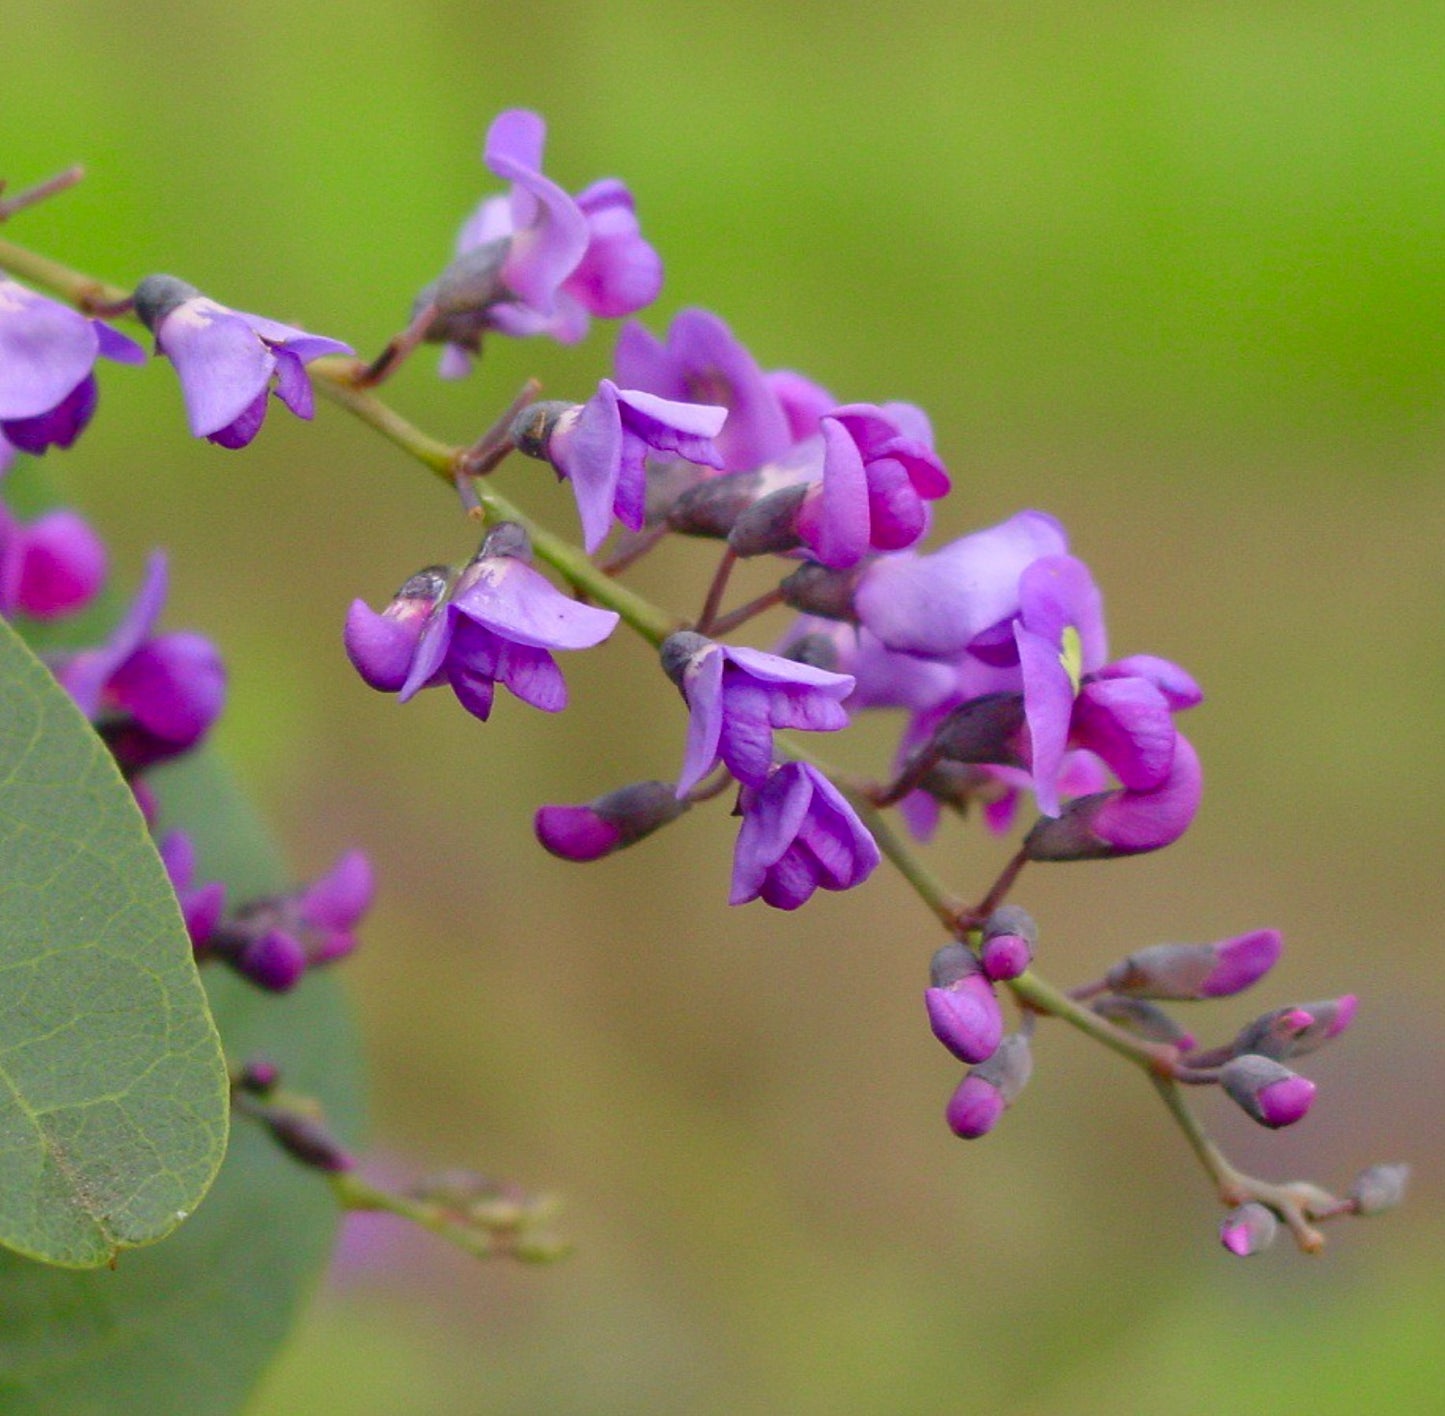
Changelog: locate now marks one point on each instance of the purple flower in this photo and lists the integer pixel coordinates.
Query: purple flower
(150, 698)
(49, 567)
(201, 905)
(940, 604)
(990, 1088)
(538, 261)
(702, 363)
(873, 493)
(609, 823)
(499, 625)
(47, 353)
(737, 696)
(601, 448)
(381, 647)
(798, 833)
(1125, 821)
(962, 1010)
(226, 359)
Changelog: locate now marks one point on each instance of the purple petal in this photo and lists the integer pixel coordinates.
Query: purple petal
(380, 647)
(772, 668)
(84, 675)
(293, 387)
(620, 272)
(298, 342)
(702, 688)
(804, 402)
(1242, 962)
(431, 652)
(240, 432)
(222, 364)
(520, 604)
(60, 426)
(1048, 706)
(591, 459)
(533, 676)
(61, 566)
(1126, 721)
(175, 686)
(455, 362)
(837, 529)
(1056, 592)
(515, 140)
(117, 346)
(576, 832)
(746, 739)
(338, 899)
(1178, 688)
(46, 349)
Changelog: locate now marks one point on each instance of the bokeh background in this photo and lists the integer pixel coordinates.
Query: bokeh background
(1174, 272)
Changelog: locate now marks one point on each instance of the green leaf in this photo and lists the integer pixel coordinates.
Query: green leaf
(187, 1328)
(113, 1096)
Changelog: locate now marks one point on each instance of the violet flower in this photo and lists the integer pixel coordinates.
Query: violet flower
(701, 362)
(1267, 1090)
(498, 626)
(49, 567)
(151, 697)
(961, 597)
(798, 833)
(538, 261)
(962, 1009)
(608, 823)
(873, 492)
(990, 1088)
(226, 359)
(1195, 971)
(48, 351)
(601, 448)
(737, 696)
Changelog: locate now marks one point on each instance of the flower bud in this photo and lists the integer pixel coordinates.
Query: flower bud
(769, 526)
(1248, 1229)
(1197, 970)
(712, 507)
(1293, 1031)
(1123, 822)
(608, 823)
(1379, 1188)
(1144, 1020)
(258, 1076)
(990, 1089)
(306, 1140)
(1272, 1094)
(983, 730)
(1009, 937)
(814, 589)
(275, 961)
(962, 1009)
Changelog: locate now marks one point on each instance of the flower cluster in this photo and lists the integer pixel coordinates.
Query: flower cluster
(992, 647)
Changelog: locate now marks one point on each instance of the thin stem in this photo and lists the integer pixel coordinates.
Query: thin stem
(397, 350)
(725, 624)
(333, 376)
(633, 548)
(997, 893)
(489, 450)
(716, 590)
(40, 191)
(81, 290)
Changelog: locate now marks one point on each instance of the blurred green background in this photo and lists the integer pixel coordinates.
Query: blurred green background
(1174, 272)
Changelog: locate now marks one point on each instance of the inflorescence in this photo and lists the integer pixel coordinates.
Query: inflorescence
(992, 646)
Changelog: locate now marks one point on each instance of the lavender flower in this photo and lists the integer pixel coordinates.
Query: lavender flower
(798, 833)
(47, 353)
(537, 261)
(226, 359)
(49, 567)
(601, 448)
(151, 698)
(499, 625)
(737, 696)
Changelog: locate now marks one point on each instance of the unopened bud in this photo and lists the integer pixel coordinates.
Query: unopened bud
(1009, 938)
(1379, 1188)
(770, 526)
(983, 730)
(608, 823)
(275, 961)
(814, 589)
(1293, 1031)
(258, 1076)
(1184, 971)
(990, 1089)
(307, 1141)
(1248, 1229)
(712, 507)
(1272, 1094)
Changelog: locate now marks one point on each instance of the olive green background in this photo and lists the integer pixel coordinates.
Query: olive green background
(1175, 273)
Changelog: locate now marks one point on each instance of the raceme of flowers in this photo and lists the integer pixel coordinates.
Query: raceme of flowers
(991, 646)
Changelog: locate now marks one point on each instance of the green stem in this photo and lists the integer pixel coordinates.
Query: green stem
(333, 376)
(81, 290)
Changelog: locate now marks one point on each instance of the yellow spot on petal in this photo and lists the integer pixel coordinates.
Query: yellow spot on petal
(1071, 655)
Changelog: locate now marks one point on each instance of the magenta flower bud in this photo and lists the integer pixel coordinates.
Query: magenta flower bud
(201, 905)
(1291, 1032)
(306, 1140)
(1379, 1188)
(608, 823)
(1144, 1020)
(275, 961)
(965, 1016)
(258, 1076)
(990, 1088)
(1125, 821)
(1248, 1229)
(382, 646)
(1193, 971)
(1272, 1094)
(1009, 938)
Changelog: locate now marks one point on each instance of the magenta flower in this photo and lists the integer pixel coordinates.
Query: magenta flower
(1248, 1229)
(49, 567)
(538, 261)
(737, 696)
(47, 353)
(798, 834)
(609, 823)
(499, 625)
(601, 448)
(151, 697)
(1267, 1090)
(962, 1009)
(1196, 971)
(201, 905)
(990, 1088)
(873, 492)
(226, 360)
